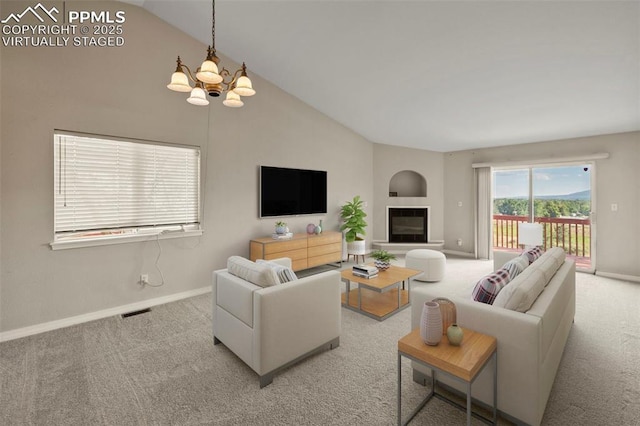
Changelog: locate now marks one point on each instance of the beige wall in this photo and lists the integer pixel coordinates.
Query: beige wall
(389, 160)
(617, 181)
(121, 92)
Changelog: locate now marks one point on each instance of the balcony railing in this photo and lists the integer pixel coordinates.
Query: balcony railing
(573, 235)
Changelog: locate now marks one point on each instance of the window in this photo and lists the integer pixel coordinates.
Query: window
(107, 188)
(556, 196)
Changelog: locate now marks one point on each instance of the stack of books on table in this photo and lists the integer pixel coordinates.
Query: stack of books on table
(284, 236)
(365, 271)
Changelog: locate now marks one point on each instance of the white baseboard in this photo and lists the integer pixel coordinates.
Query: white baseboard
(459, 253)
(92, 316)
(618, 276)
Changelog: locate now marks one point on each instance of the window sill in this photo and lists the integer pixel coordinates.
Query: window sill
(122, 239)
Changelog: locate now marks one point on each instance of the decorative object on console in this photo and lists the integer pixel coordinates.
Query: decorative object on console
(529, 235)
(382, 259)
(311, 228)
(208, 78)
(448, 312)
(353, 215)
(455, 334)
(431, 323)
(318, 229)
(281, 227)
(285, 236)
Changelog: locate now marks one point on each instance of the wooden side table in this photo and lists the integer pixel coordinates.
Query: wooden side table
(463, 363)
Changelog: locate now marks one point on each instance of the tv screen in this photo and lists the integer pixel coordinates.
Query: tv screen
(287, 192)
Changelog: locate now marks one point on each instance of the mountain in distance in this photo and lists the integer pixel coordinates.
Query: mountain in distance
(582, 195)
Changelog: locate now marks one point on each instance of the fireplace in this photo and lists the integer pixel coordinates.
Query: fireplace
(408, 224)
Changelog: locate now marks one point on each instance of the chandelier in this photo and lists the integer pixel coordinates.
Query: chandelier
(208, 79)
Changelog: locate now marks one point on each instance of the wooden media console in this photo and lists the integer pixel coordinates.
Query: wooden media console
(304, 250)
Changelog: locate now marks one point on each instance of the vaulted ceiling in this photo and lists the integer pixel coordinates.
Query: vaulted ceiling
(438, 75)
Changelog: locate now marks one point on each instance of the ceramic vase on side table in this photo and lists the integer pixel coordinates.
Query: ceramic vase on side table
(431, 323)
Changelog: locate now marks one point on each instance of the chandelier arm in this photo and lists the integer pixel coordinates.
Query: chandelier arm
(189, 74)
(234, 77)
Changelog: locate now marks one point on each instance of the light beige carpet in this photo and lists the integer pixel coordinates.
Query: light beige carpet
(162, 368)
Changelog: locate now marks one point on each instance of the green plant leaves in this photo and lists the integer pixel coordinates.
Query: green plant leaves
(353, 216)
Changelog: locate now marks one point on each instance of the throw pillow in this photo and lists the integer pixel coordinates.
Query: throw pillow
(516, 266)
(533, 254)
(260, 275)
(490, 285)
(284, 273)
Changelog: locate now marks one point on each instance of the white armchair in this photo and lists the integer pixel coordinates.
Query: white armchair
(270, 328)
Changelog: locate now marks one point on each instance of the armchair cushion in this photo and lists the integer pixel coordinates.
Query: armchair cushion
(258, 274)
(284, 273)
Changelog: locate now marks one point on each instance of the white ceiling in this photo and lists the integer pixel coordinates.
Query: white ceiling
(438, 75)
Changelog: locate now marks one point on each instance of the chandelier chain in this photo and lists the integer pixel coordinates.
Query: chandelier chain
(213, 25)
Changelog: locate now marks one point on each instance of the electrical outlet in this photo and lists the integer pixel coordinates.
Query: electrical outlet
(144, 279)
(459, 242)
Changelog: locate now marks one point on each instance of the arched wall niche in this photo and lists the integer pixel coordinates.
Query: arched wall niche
(407, 183)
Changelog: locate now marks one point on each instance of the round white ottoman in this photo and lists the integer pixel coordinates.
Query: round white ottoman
(432, 262)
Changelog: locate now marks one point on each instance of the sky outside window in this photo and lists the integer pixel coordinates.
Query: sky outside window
(547, 181)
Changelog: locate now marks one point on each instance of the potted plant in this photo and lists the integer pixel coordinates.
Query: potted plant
(354, 224)
(281, 227)
(382, 259)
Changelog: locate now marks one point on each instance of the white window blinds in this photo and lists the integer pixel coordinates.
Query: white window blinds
(106, 184)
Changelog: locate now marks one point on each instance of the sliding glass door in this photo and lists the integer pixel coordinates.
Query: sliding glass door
(558, 197)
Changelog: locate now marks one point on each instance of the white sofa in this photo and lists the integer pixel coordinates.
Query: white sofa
(530, 344)
(270, 328)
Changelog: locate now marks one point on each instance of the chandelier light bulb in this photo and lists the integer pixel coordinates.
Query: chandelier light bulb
(209, 73)
(198, 97)
(233, 100)
(244, 87)
(179, 82)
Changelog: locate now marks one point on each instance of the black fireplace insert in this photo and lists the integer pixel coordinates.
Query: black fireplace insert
(408, 225)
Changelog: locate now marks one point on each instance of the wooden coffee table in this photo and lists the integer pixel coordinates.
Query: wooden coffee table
(382, 295)
(463, 363)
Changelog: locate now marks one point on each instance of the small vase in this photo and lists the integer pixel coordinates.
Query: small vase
(311, 228)
(455, 335)
(319, 228)
(281, 230)
(431, 323)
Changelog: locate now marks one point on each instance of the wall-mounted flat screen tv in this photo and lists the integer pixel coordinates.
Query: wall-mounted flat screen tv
(288, 192)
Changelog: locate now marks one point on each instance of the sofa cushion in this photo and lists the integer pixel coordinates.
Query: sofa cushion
(550, 262)
(285, 274)
(516, 266)
(490, 285)
(520, 294)
(255, 273)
